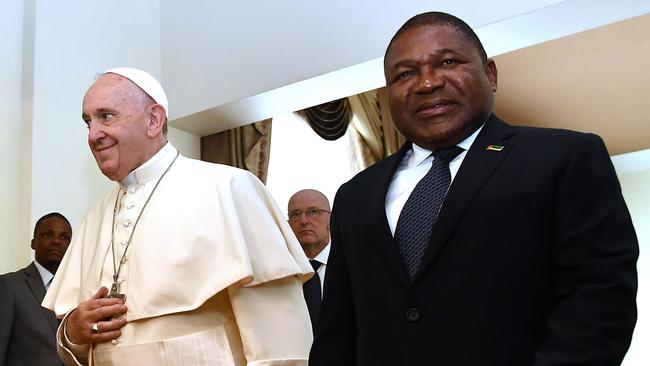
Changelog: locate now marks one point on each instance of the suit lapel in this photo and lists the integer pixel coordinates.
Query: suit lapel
(478, 165)
(35, 284)
(377, 211)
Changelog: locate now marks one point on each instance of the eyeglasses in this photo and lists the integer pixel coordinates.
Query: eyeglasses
(310, 212)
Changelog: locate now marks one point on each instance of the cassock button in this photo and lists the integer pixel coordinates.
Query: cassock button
(130, 205)
(413, 315)
(127, 223)
(133, 189)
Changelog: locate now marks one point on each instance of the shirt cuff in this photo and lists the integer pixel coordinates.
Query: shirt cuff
(72, 353)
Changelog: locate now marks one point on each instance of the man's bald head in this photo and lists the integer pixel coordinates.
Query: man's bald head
(311, 194)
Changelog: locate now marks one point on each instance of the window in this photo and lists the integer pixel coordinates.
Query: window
(301, 159)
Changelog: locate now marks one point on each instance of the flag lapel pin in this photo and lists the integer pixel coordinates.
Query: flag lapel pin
(494, 148)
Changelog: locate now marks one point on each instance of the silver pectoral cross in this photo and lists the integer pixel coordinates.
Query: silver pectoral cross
(115, 290)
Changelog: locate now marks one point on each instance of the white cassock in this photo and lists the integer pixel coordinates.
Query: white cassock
(213, 274)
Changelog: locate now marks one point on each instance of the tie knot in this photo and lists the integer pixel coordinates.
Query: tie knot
(314, 264)
(448, 154)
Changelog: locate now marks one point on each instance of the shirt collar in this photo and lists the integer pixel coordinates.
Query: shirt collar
(420, 154)
(323, 255)
(467, 143)
(46, 276)
(152, 169)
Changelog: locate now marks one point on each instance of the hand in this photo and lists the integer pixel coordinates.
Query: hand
(106, 313)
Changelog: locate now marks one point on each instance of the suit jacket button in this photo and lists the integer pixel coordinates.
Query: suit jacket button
(413, 315)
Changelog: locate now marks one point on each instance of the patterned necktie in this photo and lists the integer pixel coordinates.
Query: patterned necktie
(312, 291)
(420, 211)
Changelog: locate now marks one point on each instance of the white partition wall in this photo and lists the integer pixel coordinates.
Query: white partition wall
(50, 55)
(634, 174)
(75, 42)
(11, 59)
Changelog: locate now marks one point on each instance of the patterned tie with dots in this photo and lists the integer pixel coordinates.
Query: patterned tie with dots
(421, 209)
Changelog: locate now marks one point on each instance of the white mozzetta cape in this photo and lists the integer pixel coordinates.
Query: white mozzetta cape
(207, 226)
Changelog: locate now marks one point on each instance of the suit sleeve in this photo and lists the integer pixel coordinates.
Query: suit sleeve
(335, 340)
(595, 257)
(6, 318)
(273, 322)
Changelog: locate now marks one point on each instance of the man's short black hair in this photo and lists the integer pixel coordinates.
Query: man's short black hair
(50, 215)
(438, 18)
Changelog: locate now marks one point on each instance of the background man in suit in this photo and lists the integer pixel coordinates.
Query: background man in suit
(27, 330)
(529, 261)
(309, 218)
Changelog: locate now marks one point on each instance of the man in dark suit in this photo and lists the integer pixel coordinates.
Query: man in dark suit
(527, 259)
(309, 218)
(27, 330)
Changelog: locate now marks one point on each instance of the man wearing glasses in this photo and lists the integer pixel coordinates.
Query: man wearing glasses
(309, 218)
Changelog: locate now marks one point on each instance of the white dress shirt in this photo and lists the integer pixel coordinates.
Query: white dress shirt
(413, 167)
(46, 276)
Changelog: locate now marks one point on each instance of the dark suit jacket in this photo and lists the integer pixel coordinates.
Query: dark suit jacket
(27, 330)
(531, 262)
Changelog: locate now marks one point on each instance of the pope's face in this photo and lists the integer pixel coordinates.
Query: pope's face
(117, 118)
(439, 88)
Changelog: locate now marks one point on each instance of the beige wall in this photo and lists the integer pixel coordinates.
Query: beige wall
(594, 81)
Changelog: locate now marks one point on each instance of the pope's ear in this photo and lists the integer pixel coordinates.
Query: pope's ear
(157, 120)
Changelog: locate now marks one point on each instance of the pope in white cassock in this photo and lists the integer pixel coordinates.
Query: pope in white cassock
(184, 262)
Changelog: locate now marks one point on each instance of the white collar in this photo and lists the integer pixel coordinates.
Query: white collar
(46, 276)
(323, 255)
(152, 169)
(420, 153)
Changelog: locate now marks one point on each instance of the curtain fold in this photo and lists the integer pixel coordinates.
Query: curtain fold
(329, 120)
(372, 132)
(247, 147)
